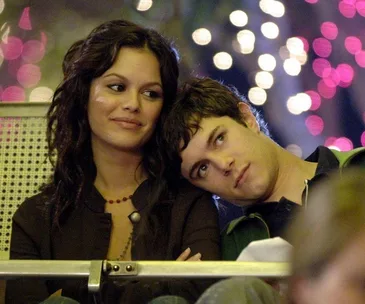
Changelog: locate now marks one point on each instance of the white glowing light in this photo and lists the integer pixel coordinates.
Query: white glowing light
(238, 18)
(202, 36)
(302, 58)
(2, 6)
(295, 45)
(5, 36)
(246, 37)
(299, 103)
(41, 94)
(267, 62)
(277, 9)
(144, 5)
(264, 80)
(265, 5)
(295, 149)
(257, 96)
(222, 60)
(292, 67)
(270, 30)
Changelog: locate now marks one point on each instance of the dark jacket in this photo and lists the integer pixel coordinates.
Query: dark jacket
(190, 220)
(270, 219)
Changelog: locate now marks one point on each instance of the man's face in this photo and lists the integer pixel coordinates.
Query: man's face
(230, 160)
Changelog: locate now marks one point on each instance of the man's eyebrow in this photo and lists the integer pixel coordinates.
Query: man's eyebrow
(209, 142)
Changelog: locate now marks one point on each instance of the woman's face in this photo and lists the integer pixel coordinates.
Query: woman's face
(125, 102)
(342, 281)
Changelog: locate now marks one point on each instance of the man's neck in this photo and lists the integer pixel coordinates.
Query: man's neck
(293, 172)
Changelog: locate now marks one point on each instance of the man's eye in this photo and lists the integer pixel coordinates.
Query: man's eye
(202, 171)
(117, 87)
(220, 139)
(153, 94)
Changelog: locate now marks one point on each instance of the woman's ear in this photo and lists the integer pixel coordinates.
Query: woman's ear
(248, 118)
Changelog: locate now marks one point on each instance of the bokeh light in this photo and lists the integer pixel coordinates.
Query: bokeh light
(348, 10)
(272, 7)
(257, 96)
(202, 36)
(305, 43)
(295, 45)
(360, 58)
(325, 91)
(299, 103)
(331, 77)
(238, 18)
(363, 139)
(319, 65)
(315, 99)
(29, 75)
(329, 30)
(292, 67)
(360, 7)
(329, 141)
(314, 124)
(13, 94)
(12, 47)
(24, 21)
(33, 51)
(343, 144)
(144, 5)
(322, 47)
(270, 30)
(41, 94)
(264, 80)
(312, 1)
(222, 60)
(353, 44)
(295, 149)
(2, 6)
(346, 73)
(267, 62)
(246, 39)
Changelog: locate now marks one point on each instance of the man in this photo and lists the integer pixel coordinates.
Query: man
(220, 144)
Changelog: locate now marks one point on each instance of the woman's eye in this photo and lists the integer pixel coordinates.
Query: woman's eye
(202, 171)
(117, 87)
(153, 94)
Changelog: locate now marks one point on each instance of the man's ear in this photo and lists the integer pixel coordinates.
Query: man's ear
(248, 118)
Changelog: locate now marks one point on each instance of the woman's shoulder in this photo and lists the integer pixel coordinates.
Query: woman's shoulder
(36, 206)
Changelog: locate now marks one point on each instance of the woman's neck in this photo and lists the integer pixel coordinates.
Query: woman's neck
(118, 172)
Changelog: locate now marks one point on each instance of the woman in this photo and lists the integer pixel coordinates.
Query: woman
(329, 243)
(107, 198)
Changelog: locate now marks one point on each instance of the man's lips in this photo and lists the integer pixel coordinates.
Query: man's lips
(242, 176)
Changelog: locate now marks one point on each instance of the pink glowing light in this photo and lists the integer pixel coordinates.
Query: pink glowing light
(322, 47)
(330, 141)
(316, 100)
(329, 30)
(13, 93)
(346, 73)
(353, 44)
(360, 7)
(331, 77)
(360, 58)
(305, 43)
(11, 47)
(314, 124)
(344, 144)
(311, 1)
(24, 21)
(29, 75)
(325, 91)
(363, 139)
(319, 65)
(348, 10)
(33, 51)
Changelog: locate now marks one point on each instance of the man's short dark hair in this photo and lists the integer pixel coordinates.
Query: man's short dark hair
(197, 99)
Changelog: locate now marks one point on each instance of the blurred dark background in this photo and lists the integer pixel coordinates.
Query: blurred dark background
(301, 62)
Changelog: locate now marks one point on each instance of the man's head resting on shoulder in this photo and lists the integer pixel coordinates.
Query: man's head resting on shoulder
(219, 143)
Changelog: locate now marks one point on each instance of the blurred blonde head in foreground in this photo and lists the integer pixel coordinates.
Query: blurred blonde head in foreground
(328, 262)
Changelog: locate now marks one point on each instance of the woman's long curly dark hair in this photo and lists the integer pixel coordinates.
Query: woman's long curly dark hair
(68, 130)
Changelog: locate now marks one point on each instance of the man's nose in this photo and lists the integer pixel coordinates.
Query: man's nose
(224, 163)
